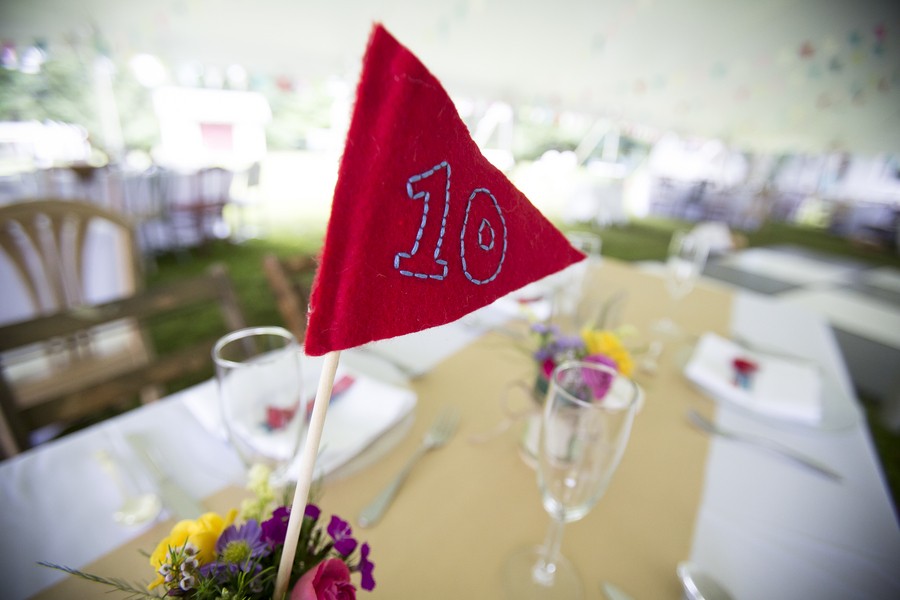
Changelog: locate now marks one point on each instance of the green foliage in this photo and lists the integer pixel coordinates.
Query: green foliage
(244, 263)
(61, 91)
(294, 113)
(140, 127)
(531, 140)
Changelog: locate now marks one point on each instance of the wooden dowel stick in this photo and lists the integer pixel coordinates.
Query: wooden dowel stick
(304, 479)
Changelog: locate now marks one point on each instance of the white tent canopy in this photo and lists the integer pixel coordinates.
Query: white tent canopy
(771, 75)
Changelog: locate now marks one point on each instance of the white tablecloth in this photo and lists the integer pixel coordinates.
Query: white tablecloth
(58, 503)
(768, 529)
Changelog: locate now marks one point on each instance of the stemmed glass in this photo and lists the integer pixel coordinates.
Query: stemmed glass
(585, 426)
(574, 306)
(261, 395)
(687, 257)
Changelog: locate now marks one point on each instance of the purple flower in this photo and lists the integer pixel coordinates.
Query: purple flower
(557, 348)
(365, 568)
(241, 543)
(569, 342)
(275, 529)
(340, 532)
(238, 548)
(540, 328)
(219, 569)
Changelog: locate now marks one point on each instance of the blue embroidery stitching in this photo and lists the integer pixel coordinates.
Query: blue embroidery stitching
(481, 244)
(462, 241)
(426, 196)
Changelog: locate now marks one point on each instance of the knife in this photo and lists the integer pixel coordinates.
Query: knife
(614, 593)
(178, 501)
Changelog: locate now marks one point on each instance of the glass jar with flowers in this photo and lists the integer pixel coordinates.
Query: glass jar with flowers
(600, 346)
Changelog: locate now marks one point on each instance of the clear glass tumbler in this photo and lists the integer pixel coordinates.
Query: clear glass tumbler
(687, 259)
(261, 395)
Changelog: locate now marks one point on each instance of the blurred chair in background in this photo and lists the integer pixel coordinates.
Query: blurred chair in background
(193, 206)
(83, 397)
(48, 242)
(142, 200)
(291, 282)
(246, 198)
(59, 255)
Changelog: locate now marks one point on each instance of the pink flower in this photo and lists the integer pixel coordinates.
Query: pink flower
(329, 580)
(599, 382)
(547, 367)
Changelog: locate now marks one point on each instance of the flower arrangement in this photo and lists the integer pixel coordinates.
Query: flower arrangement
(237, 556)
(592, 345)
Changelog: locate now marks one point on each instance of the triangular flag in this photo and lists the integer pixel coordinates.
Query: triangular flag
(423, 229)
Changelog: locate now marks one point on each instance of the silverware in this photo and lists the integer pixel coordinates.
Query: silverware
(174, 498)
(614, 593)
(441, 431)
(701, 422)
(134, 509)
(699, 585)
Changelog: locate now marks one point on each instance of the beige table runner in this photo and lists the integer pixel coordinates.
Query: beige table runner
(465, 508)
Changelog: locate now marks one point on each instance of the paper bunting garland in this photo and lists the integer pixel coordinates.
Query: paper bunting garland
(423, 229)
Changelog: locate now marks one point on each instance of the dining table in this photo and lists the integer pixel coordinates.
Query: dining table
(762, 526)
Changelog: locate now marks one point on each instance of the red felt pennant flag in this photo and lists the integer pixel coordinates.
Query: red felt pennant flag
(423, 229)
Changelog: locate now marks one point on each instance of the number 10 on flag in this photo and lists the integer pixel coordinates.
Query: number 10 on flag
(487, 236)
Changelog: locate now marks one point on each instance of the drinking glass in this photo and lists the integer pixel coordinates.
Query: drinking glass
(584, 429)
(687, 257)
(574, 304)
(261, 395)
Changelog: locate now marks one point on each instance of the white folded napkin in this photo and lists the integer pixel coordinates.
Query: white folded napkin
(782, 388)
(356, 417)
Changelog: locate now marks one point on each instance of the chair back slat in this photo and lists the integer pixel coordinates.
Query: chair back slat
(291, 281)
(84, 397)
(45, 240)
(152, 302)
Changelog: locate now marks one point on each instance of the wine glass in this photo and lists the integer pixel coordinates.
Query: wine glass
(261, 395)
(573, 304)
(584, 429)
(687, 257)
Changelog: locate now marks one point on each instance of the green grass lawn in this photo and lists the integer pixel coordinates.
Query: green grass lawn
(641, 240)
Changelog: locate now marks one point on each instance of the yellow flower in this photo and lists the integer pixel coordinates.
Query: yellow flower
(203, 533)
(608, 344)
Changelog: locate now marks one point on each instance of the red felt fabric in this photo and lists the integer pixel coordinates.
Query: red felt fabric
(404, 139)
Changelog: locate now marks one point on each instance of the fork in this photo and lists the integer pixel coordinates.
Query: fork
(438, 434)
(701, 422)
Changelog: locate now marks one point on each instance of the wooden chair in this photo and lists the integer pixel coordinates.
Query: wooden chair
(291, 282)
(194, 205)
(45, 240)
(21, 417)
(45, 244)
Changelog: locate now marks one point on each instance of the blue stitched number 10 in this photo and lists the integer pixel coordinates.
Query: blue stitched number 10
(430, 187)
